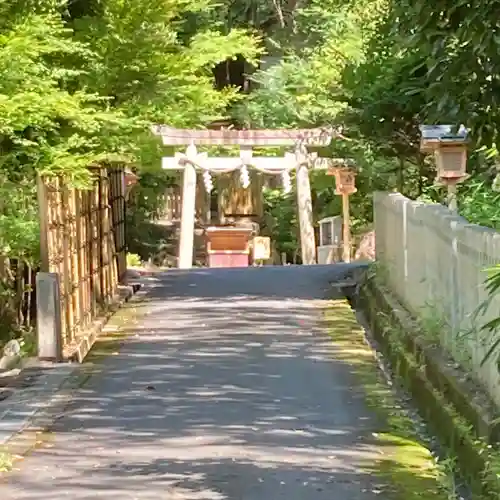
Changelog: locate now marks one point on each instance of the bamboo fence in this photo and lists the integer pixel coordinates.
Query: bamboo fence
(82, 239)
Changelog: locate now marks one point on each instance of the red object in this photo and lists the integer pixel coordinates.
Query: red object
(130, 178)
(222, 259)
(228, 246)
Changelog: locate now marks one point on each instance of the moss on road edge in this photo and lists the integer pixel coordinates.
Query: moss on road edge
(407, 464)
(468, 430)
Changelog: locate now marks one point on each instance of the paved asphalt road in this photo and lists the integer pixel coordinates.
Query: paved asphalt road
(227, 390)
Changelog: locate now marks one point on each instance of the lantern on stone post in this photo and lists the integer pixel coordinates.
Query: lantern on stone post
(450, 152)
(345, 185)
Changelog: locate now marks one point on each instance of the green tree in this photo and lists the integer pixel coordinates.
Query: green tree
(82, 82)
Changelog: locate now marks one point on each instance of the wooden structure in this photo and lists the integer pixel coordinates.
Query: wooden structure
(345, 185)
(172, 207)
(238, 204)
(450, 152)
(82, 240)
(191, 161)
(228, 246)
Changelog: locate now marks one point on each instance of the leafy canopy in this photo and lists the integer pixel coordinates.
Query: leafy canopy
(82, 82)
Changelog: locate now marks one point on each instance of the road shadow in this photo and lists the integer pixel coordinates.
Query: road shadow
(302, 282)
(229, 388)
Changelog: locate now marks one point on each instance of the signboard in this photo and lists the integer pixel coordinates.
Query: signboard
(261, 248)
(345, 181)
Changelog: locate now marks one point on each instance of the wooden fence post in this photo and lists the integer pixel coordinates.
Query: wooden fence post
(346, 253)
(44, 222)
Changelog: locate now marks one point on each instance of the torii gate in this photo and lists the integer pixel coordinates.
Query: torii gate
(301, 160)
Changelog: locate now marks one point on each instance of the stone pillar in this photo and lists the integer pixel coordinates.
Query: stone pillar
(186, 243)
(304, 207)
(48, 317)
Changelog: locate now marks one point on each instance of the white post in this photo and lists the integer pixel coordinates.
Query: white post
(283, 259)
(188, 211)
(304, 206)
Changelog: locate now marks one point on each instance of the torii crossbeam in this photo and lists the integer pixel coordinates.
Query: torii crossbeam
(230, 137)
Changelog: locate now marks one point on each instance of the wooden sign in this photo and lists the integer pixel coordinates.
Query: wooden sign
(261, 248)
(345, 182)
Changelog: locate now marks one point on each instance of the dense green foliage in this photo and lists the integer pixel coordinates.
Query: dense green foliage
(81, 81)
(381, 68)
(80, 84)
(281, 222)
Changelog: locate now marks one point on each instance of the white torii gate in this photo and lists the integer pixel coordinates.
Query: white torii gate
(301, 160)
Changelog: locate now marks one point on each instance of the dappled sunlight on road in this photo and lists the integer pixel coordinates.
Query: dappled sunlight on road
(215, 396)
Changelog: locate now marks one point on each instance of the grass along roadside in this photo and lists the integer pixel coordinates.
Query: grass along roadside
(407, 465)
(461, 427)
(6, 461)
(123, 325)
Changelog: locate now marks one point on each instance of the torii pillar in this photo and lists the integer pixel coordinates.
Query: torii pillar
(186, 243)
(304, 207)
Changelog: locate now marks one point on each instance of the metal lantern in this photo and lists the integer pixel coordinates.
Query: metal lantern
(130, 180)
(451, 159)
(345, 181)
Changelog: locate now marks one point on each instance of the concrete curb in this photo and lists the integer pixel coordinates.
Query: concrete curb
(20, 410)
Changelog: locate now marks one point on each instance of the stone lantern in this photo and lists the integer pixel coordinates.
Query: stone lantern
(450, 152)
